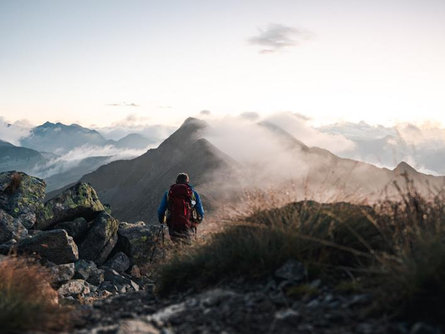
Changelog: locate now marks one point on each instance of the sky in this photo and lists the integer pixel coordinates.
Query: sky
(105, 62)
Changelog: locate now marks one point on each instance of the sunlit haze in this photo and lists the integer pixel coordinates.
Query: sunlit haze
(101, 62)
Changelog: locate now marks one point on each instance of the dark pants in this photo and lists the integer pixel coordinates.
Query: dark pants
(181, 236)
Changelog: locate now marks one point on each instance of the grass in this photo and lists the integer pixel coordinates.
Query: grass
(27, 301)
(307, 231)
(395, 250)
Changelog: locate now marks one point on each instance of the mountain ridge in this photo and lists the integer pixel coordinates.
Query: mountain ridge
(134, 187)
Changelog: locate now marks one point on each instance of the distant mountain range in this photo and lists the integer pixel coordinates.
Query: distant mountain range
(223, 164)
(134, 187)
(59, 138)
(387, 146)
(61, 153)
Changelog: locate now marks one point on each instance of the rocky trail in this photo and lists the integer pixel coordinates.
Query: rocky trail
(242, 307)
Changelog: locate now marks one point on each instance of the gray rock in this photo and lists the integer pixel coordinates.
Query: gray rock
(203, 303)
(422, 328)
(55, 246)
(82, 269)
(291, 270)
(21, 196)
(7, 247)
(136, 327)
(74, 288)
(364, 328)
(119, 262)
(315, 303)
(27, 219)
(62, 272)
(360, 299)
(81, 200)
(11, 228)
(100, 239)
(138, 240)
(77, 228)
(88, 271)
(123, 284)
(287, 315)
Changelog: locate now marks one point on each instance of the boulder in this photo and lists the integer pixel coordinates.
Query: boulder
(100, 239)
(88, 271)
(73, 288)
(55, 246)
(291, 270)
(21, 196)
(62, 272)
(11, 228)
(138, 240)
(117, 283)
(76, 229)
(119, 262)
(136, 326)
(7, 247)
(81, 200)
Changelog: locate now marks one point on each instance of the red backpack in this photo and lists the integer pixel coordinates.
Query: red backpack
(180, 207)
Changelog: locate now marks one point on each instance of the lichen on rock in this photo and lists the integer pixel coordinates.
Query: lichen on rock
(100, 239)
(80, 200)
(21, 196)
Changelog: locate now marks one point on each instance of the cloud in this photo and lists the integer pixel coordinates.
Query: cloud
(298, 126)
(74, 157)
(205, 112)
(123, 104)
(134, 123)
(276, 37)
(12, 133)
(420, 145)
(250, 115)
(131, 120)
(269, 149)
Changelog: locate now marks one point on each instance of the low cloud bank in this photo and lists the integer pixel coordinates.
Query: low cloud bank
(422, 146)
(249, 137)
(271, 151)
(77, 156)
(155, 133)
(13, 132)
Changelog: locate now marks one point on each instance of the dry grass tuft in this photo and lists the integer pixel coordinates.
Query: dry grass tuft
(16, 181)
(27, 301)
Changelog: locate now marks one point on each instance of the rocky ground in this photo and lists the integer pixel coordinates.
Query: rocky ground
(89, 252)
(241, 307)
(95, 263)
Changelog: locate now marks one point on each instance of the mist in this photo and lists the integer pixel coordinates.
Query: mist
(271, 158)
(13, 132)
(73, 158)
(422, 146)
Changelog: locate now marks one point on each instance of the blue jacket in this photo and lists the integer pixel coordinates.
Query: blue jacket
(163, 206)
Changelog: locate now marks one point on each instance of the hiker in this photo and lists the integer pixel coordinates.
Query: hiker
(182, 208)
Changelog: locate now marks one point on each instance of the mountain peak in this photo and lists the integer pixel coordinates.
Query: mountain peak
(191, 121)
(404, 167)
(47, 124)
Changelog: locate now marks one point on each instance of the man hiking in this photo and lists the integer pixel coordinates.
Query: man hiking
(182, 207)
